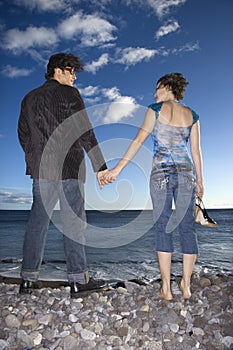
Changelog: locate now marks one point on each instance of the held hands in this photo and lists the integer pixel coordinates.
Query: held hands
(105, 177)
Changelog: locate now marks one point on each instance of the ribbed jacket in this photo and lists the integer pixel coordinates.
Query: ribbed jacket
(54, 130)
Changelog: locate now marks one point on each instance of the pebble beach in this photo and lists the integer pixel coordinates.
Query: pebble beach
(128, 315)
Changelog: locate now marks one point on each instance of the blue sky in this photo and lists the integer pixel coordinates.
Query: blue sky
(126, 45)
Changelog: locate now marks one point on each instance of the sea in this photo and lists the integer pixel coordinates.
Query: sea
(119, 246)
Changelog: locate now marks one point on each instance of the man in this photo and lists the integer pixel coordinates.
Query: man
(54, 130)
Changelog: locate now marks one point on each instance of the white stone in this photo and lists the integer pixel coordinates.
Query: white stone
(122, 290)
(78, 327)
(87, 335)
(64, 334)
(45, 319)
(227, 341)
(174, 327)
(37, 338)
(125, 313)
(103, 299)
(214, 320)
(198, 331)
(73, 318)
(50, 300)
(183, 313)
(180, 339)
(77, 300)
(146, 327)
(3, 344)
(118, 317)
(99, 309)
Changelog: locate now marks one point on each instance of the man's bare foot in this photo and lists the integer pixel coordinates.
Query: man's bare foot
(166, 296)
(185, 290)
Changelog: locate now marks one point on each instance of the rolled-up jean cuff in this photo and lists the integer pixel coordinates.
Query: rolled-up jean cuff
(82, 277)
(30, 275)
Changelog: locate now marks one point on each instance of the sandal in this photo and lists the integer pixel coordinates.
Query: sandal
(201, 215)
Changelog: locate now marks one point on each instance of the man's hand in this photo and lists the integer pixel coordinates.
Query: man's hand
(103, 180)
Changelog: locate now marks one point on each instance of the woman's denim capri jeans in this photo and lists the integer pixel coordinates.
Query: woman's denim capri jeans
(180, 186)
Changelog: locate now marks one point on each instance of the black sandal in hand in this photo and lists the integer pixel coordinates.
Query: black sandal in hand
(201, 215)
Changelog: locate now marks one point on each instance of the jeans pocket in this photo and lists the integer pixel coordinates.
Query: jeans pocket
(189, 181)
(159, 181)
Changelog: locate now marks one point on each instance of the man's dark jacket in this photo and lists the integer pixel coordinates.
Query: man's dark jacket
(54, 130)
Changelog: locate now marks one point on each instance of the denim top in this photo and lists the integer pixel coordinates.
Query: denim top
(170, 143)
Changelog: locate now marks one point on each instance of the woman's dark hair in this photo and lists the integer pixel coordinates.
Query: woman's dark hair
(176, 82)
(62, 60)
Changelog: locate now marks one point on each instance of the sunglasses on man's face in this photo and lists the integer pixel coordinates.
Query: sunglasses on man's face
(71, 70)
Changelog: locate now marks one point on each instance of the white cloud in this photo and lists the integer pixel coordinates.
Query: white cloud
(189, 47)
(162, 7)
(94, 66)
(44, 5)
(90, 94)
(7, 197)
(131, 56)
(89, 90)
(112, 93)
(169, 27)
(123, 107)
(87, 30)
(91, 29)
(17, 40)
(15, 72)
(119, 107)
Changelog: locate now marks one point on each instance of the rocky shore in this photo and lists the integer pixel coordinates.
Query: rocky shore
(127, 316)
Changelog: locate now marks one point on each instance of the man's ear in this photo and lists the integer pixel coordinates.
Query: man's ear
(58, 73)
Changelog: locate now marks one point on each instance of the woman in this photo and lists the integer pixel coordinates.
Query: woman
(175, 176)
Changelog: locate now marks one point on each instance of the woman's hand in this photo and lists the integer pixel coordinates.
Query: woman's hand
(105, 177)
(200, 189)
(111, 175)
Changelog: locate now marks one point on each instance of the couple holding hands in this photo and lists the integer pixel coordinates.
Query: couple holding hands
(176, 177)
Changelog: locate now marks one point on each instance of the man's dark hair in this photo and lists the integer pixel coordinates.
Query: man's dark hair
(62, 60)
(176, 82)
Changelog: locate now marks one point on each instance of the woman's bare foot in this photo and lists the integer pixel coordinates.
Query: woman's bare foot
(166, 296)
(185, 289)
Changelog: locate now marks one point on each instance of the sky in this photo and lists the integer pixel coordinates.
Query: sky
(126, 46)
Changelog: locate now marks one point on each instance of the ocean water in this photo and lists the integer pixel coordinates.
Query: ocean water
(120, 245)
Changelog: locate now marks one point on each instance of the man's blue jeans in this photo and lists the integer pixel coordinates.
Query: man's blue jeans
(46, 194)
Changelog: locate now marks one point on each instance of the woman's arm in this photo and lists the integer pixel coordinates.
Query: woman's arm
(197, 157)
(144, 131)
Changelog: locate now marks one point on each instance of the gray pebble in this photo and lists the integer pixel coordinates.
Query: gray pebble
(124, 318)
(3, 344)
(12, 321)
